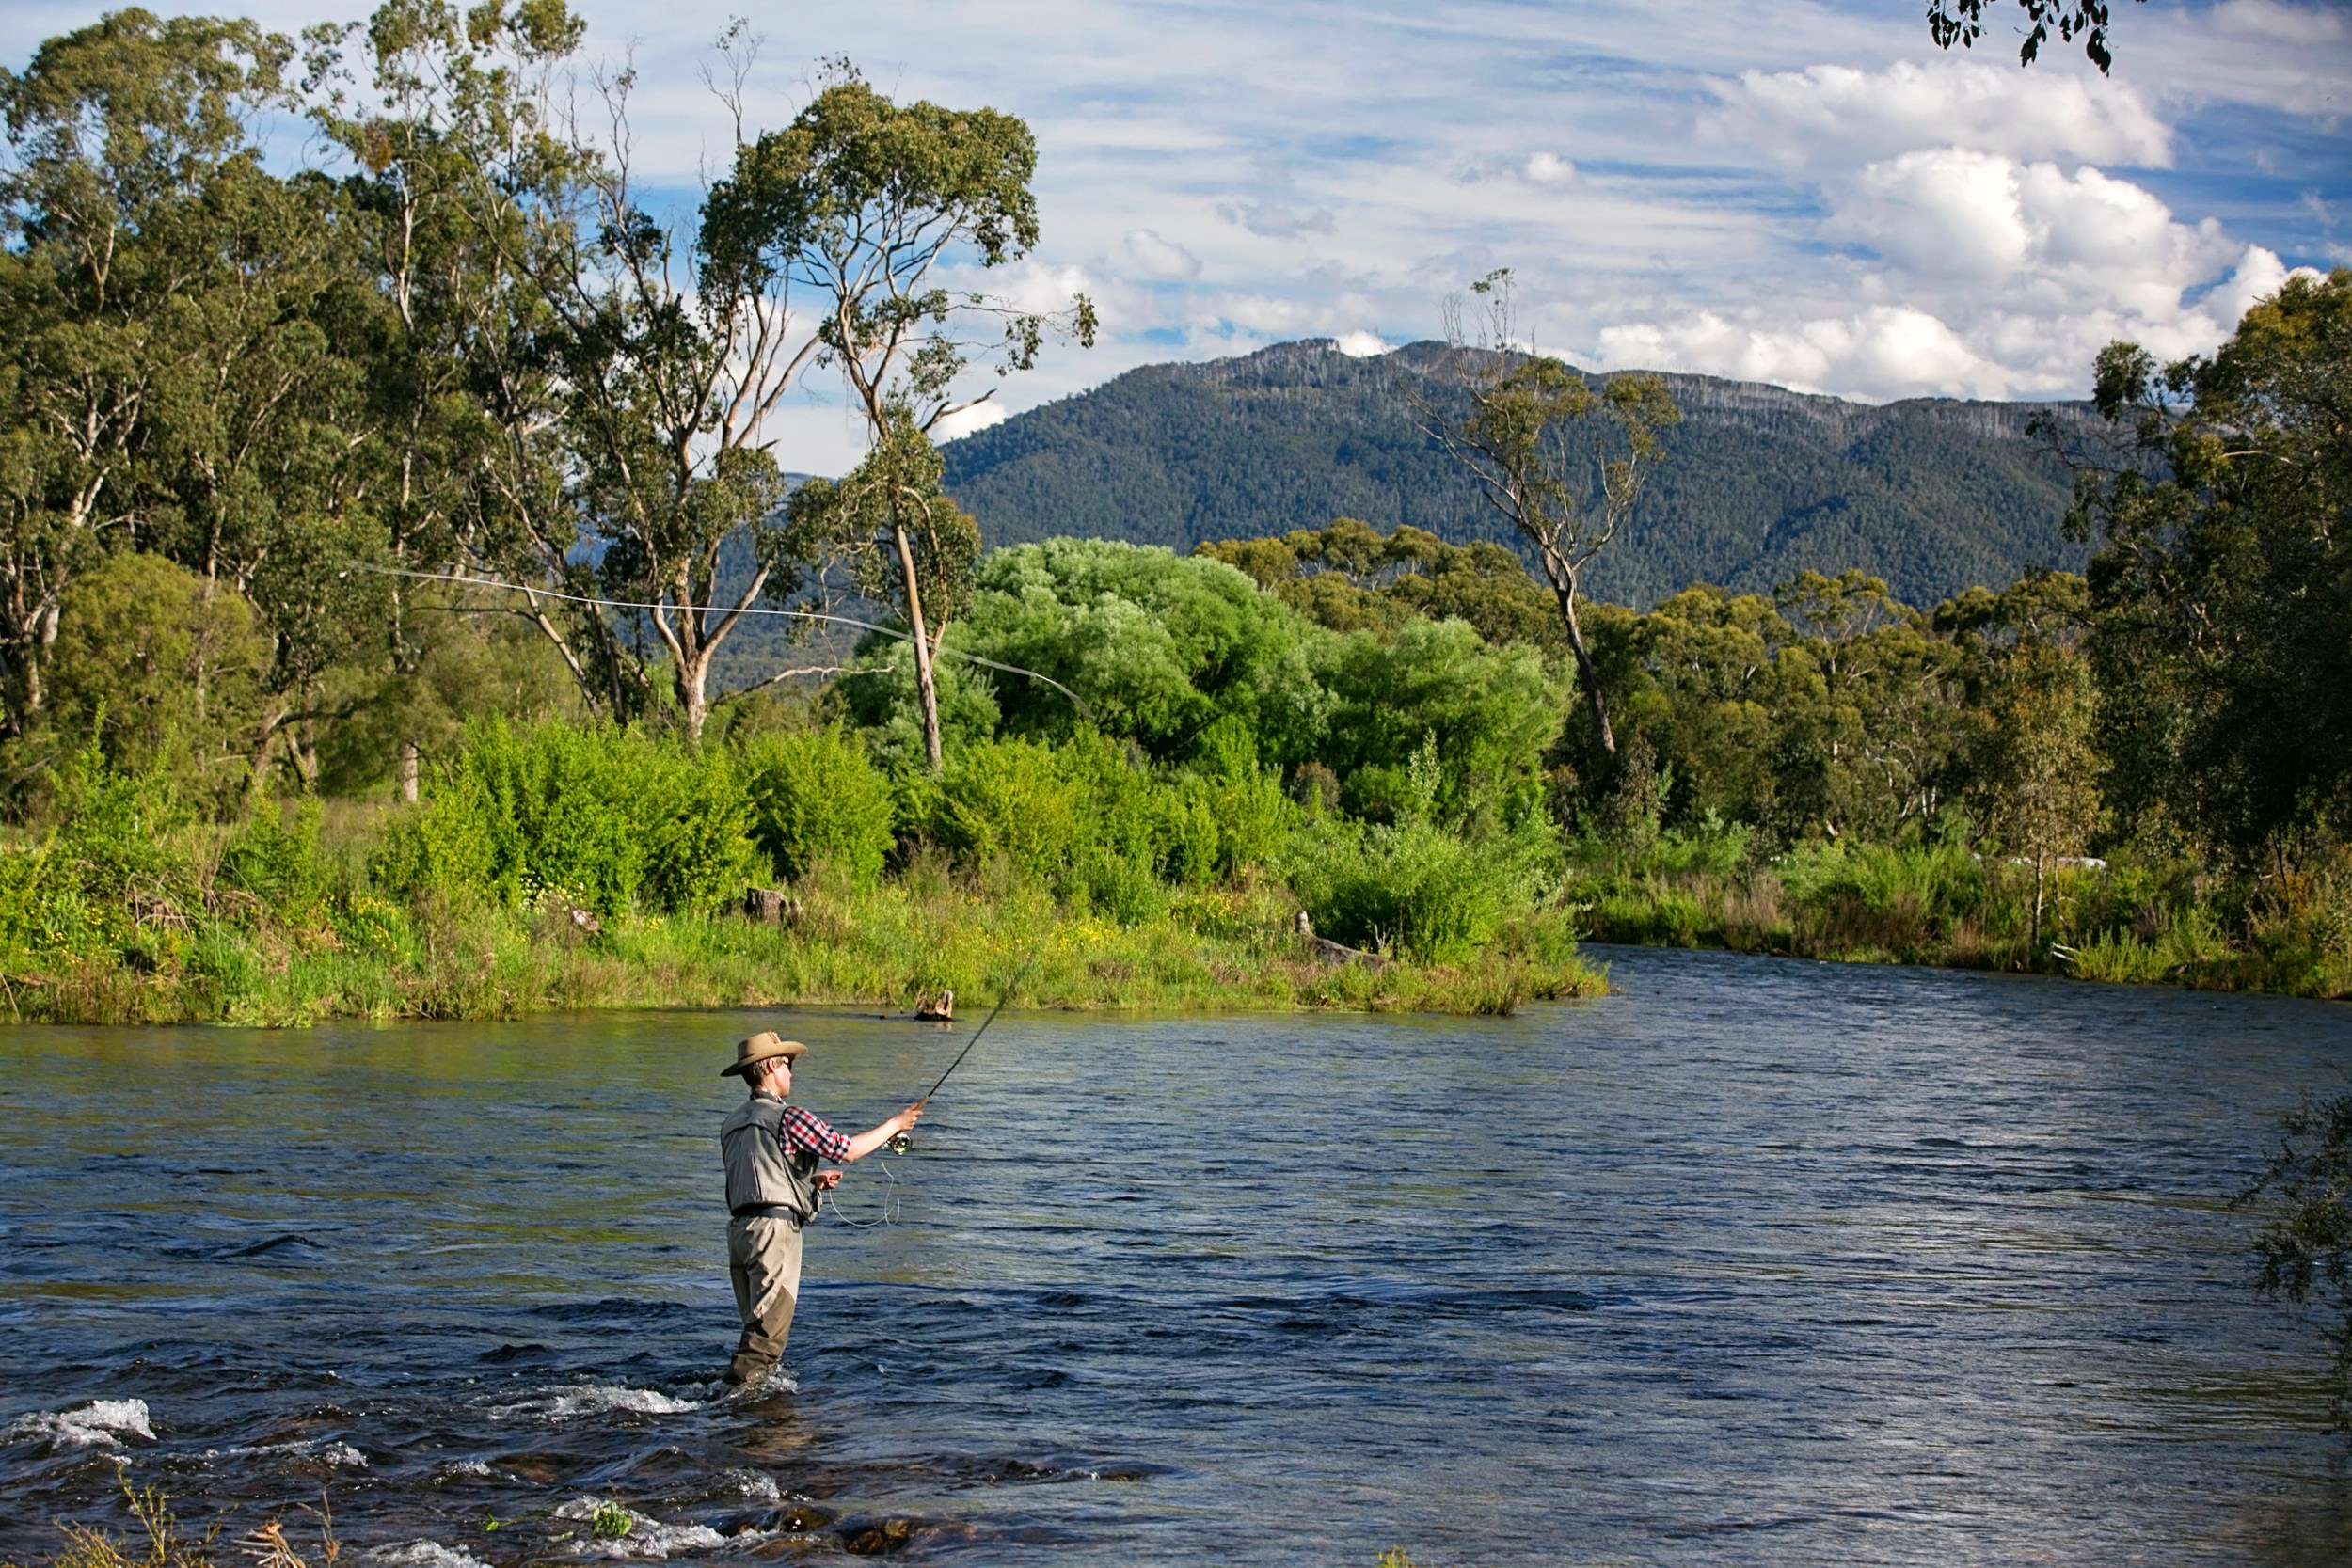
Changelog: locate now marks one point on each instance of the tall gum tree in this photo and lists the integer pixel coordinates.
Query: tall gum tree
(2221, 598)
(864, 203)
(1557, 458)
(116, 135)
(456, 182)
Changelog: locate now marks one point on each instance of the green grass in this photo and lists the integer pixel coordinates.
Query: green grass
(1222, 950)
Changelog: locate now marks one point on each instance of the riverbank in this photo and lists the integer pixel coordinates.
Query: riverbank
(1212, 951)
(2120, 922)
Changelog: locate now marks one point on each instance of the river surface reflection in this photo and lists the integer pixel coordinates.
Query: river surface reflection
(1755, 1261)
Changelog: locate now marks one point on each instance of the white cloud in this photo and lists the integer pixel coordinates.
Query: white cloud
(1962, 214)
(2275, 57)
(1828, 201)
(1837, 114)
(1881, 351)
(1548, 169)
(1159, 257)
(965, 421)
(1360, 345)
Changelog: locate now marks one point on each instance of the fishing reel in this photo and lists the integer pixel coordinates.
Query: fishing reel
(899, 1143)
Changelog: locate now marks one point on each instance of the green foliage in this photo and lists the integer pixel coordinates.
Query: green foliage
(1015, 799)
(278, 862)
(1414, 887)
(1933, 884)
(1490, 714)
(163, 670)
(602, 817)
(2222, 600)
(1158, 647)
(1347, 577)
(106, 878)
(816, 799)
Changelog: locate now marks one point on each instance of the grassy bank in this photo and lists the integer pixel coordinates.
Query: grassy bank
(2124, 921)
(1222, 951)
(613, 880)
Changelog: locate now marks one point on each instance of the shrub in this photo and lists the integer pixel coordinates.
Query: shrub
(701, 853)
(1015, 799)
(279, 863)
(1432, 895)
(599, 816)
(817, 797)
(1117, 889)
(162, 669)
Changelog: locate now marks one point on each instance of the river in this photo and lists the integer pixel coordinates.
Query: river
(1754, 1261)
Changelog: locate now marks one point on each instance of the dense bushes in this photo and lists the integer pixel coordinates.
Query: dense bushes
(1409, 884)
(600, 818)
(816, 799)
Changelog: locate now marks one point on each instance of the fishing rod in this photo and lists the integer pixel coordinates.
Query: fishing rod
(901, 1141)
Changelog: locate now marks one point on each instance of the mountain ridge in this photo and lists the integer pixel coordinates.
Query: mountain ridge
(1759, 484)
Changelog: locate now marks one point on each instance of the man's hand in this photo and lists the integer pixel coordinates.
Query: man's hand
(881, 1132)
(828, 1179)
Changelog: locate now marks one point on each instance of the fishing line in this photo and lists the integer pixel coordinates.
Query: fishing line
(1076, 701)
(892, 1205)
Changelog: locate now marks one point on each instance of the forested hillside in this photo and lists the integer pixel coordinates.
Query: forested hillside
(1759, 484)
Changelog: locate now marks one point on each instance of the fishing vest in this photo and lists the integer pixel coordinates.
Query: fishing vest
(761, 1172)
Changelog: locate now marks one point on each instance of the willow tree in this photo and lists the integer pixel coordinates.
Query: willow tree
(1559, 459)
(865, 205)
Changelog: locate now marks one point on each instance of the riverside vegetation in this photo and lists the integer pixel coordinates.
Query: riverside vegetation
(375, 531)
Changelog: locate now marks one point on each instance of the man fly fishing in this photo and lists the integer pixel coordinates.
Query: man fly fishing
(772, 1152)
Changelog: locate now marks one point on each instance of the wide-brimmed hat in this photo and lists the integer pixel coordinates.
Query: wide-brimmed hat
(761, 1047)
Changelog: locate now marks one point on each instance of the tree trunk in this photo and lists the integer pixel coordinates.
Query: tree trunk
(409, 772)
(926, 690)
(693, 692)
(1586, 675)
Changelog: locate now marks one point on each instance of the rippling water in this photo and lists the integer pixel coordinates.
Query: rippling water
(1755, 1261)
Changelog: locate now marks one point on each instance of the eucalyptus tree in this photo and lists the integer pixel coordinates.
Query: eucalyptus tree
(460, 187)
(1557, 458)
(868, 205)
(671, 351)
(2222, 599)
(112, 282)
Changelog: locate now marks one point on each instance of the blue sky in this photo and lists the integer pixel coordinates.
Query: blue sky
(1808, 194)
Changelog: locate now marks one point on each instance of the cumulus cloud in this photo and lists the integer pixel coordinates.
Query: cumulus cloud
(1958, 214)
(1889, 351)
(1159, 257)
(1360, 345)
(2032, 333)
(1837, 114)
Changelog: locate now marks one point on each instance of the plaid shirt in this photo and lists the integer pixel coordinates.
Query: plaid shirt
(811, 1135)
